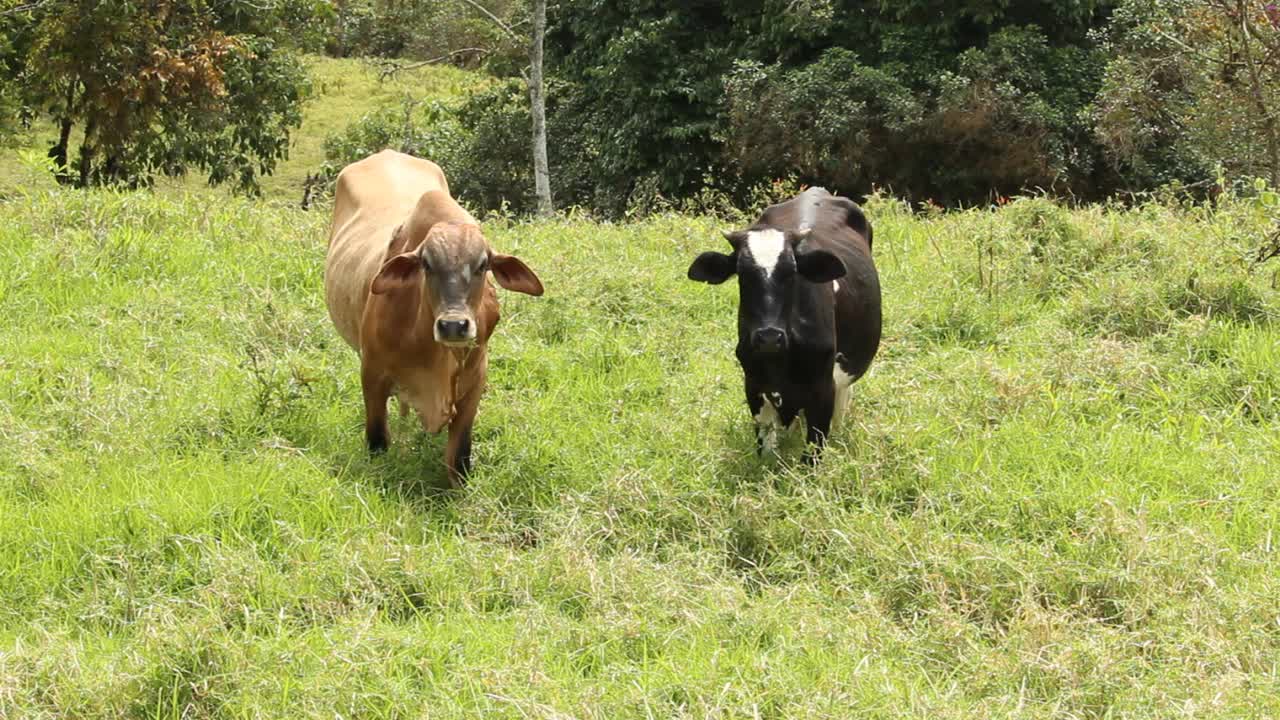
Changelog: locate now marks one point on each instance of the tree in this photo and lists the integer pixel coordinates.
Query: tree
(1193, 84)
(161, 87)
(537, 98)
(538, 106)
(534, 85)
(946, 100)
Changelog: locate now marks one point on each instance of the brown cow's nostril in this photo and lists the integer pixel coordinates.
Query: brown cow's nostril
(453, 329)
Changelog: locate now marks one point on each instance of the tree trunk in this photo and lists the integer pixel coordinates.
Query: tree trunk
(58, 153)
(1269, 125)
(86, 154)
(538, 106)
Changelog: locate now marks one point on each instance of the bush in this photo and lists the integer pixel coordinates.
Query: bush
(1191, 88)
(426, 129)
(159, 88)
(488, 163)
(953, 102)
(418, 30)
(837, 122)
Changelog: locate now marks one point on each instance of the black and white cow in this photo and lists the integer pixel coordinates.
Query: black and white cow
(808, 310)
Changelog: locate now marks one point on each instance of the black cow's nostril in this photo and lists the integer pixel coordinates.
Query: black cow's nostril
(453, 329)
(769, 339)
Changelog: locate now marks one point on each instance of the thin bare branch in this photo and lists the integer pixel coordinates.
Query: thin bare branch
(391, 68)
(1196, 52)
(1270, 249)
(25, 8)
(505, 28)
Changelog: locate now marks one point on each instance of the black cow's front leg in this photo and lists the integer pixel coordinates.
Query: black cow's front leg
(818, 414)
(756, 404)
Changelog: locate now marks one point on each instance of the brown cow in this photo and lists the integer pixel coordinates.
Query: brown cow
(406, 285)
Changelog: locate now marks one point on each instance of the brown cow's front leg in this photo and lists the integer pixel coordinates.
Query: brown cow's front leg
(457, 454)
(377, 388)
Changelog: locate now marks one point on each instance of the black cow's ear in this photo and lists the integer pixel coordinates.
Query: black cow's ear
(819, 266)
(713, 268)
(735, 238)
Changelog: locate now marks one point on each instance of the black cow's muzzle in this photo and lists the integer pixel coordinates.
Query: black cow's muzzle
(769, 340)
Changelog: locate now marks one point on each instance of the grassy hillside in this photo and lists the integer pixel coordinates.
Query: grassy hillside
(343, 90)
(1057, 496)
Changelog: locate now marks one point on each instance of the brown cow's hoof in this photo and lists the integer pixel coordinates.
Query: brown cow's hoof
(458, 474)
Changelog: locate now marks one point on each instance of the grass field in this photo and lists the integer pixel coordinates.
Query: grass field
(1057, 496)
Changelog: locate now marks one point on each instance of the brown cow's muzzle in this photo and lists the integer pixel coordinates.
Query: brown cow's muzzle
(455, 329)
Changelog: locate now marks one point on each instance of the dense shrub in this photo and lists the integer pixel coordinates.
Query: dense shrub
(425, 129)
(661, 104)
(836, 121)
(1194, 86)
(936, 100)
(488, 165)
(157, 87)
(417, 30)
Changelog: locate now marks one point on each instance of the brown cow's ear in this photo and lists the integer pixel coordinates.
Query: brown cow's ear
(399, 272)
(512, 274)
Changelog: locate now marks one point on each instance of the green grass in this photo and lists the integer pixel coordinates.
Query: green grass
(343, 91)
(1057, 496)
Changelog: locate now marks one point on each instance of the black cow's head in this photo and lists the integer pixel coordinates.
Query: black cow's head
(771, 265)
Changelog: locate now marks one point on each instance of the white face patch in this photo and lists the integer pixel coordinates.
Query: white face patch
(765, 247)
(835, 286)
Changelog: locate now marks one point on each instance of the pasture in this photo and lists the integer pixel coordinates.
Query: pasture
(1056, 496)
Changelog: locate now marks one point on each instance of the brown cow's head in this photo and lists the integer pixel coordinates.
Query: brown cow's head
(450, 265)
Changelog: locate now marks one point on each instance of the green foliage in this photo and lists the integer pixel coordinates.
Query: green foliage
(12, 39)
(1000, 119)
(1055, 495)
(162, 88)
(488, 166)
(420, 30)
(836, 120)
(423, 128)
(1194, 86)
(953, 102)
